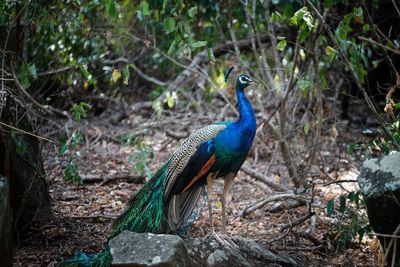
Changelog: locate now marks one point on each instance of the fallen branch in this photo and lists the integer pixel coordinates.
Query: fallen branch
(104, 179)
(297, 221)
(340, 181)
(263, 178)
(251, 208)
(291, 204)
(109, 217)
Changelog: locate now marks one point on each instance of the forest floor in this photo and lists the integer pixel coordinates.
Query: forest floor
(108, 164)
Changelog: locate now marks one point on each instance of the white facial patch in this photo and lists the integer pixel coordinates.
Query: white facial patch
(244, 80)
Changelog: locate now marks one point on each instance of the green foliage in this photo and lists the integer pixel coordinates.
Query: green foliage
(304, 86)
(69, 153)
(303, 19)
(71, 173)
(19, 140)
(350, 222)
(142, 156)
(384, 144)
(80, 110)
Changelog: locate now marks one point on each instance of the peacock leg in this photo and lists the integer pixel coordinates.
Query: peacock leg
(210, 182)
(225, 198)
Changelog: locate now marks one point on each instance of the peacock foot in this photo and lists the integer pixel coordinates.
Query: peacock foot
(224, 240)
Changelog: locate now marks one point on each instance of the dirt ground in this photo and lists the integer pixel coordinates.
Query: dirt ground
(83, 214)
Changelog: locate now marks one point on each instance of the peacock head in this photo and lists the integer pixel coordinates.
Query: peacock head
(243, 80)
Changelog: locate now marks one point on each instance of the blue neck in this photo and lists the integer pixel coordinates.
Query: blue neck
(246, 113)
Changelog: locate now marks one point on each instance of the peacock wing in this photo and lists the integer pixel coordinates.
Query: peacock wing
(179, 160)
(193, 159)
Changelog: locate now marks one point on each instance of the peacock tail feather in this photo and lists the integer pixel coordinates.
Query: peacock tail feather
(144, 213)
(145, 210)
(102, 259)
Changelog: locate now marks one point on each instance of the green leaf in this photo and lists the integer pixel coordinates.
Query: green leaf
(276, 17)
(63, 148)
(304, 85)
(170, 99)
(71, 173)
(171, 47)
(111, 10)
(79, 110)
(302, 17)
(33, 71)
(211, 56)
(281, 45)
(192, 11)
(328, 4)
(83, 70)
(126, 74)
(306, 128)
(24, 76)
(342, 203)
(169, 25)
(144, 8)
(330, 207)
(199, 44)
(330, 52)
(164, 5)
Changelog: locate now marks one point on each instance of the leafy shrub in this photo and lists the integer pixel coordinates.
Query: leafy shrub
(350, 222)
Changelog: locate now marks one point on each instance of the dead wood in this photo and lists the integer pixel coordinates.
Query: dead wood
(263, 178)
(89, 178)
(297, 221)
(261, 203)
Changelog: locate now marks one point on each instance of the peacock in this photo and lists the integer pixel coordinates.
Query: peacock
(167, 200)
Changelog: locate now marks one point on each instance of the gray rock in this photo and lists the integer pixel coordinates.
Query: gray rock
(206, 251)
(217, 257)
(5, 223)
(379, 182)
(144, 249)
(380, 175)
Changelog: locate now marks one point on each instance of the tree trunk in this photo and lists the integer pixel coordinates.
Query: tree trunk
(5, 223)
(21, 162)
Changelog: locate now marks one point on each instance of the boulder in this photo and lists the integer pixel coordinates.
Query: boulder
(5, 223)
(130, 249)
(379, 182)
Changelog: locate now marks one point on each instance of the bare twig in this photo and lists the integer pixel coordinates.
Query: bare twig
(369, 40)
(28, 133)
(27, 95)
(148, 78)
